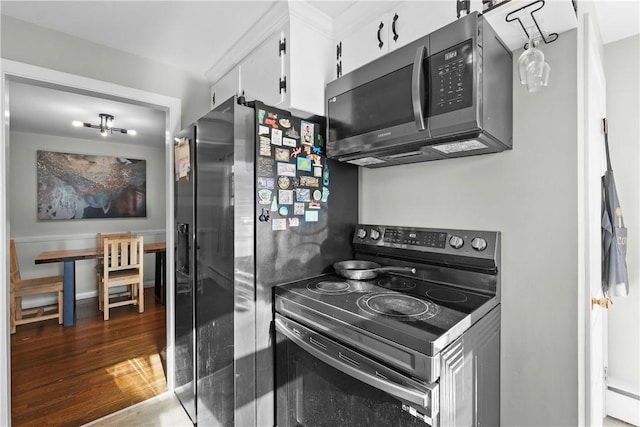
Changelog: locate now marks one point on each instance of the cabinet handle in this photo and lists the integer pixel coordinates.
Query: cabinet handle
(380, 27)
(213, 99)
(393, 27)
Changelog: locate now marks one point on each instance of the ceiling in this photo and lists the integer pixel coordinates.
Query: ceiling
(191, 35)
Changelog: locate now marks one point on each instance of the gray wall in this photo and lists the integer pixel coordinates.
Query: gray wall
(529, 194)
(33, 236)
(623, 112)
(31, 44)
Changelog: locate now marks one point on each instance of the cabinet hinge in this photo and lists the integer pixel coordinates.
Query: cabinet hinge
(283, 84)
(606, 375)
(339, 69)
(338, 50)
(282, 47)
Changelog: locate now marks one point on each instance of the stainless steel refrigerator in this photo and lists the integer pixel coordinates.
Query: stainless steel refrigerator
(257, 204)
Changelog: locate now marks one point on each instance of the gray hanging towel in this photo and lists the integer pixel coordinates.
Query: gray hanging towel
(615, 279)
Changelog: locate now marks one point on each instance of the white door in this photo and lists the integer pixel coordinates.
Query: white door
(595, 111)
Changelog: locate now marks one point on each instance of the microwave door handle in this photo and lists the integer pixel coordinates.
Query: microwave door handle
(417, 92)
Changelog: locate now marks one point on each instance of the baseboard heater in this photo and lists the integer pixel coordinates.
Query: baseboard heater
(623, 401)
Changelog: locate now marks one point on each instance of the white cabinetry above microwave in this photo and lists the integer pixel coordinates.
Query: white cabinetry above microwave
(369, 30)
(284, 61)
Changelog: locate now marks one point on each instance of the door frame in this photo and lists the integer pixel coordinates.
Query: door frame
(592, 339)
(12, 70)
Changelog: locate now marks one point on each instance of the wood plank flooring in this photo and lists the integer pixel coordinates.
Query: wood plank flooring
(71, 376)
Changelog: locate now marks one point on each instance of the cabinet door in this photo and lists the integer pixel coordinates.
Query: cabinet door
(417, 19)
(260, 72)
(226, 87)
(365, 44)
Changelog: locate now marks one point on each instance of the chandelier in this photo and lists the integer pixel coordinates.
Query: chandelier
(105, 126)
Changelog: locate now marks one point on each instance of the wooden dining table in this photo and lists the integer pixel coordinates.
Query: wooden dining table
(69, 258)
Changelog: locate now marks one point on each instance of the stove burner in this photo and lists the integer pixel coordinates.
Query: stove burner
(330, 287)
(446, 295)
(398, 306)
(396, 283)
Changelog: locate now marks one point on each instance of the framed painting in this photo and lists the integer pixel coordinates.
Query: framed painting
(79, 186)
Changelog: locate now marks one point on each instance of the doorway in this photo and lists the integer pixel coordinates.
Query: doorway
(15, 71)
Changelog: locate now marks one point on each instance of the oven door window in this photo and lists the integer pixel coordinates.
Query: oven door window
(311, 392)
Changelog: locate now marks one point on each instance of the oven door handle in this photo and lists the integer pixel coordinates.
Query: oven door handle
(417, 397)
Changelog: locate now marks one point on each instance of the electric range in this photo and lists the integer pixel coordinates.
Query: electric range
(414, 336)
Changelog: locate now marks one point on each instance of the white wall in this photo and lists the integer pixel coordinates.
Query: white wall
(622, 69)
(529, 194)
(31, 44)
(33, 236)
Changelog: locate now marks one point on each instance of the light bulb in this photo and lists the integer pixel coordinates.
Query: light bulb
(131, 132)
(77, 123)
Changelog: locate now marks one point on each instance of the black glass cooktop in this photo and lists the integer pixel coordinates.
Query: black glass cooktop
(405, 310)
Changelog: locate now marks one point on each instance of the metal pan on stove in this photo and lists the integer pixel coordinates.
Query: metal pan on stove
(364, 270)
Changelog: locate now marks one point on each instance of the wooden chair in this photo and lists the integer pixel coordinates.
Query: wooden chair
(100, 245)
(122, 266)
(24, 287)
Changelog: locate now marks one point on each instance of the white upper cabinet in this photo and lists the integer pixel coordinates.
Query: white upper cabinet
(368, 30)
(227, 86)
(261, 72)
(284, 61)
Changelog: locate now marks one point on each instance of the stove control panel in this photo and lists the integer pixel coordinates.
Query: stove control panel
(460, 242)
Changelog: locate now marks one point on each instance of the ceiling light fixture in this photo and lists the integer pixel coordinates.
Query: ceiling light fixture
(105, 126)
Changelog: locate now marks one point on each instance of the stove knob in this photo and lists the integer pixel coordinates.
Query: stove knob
(374, 234)
(456, 242)
(479, 244)
(361, 233)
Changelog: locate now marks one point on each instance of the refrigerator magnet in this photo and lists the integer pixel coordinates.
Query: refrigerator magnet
(317, 195)
(284, 182)
(286, 169)
(292, 133)
(278, 224)
(264, 197)
(285, 123)
(276, 136)
(264, 130)
(265, 149)
(311, 216)
(289, 142)
(261, 115)
(294, 222)
(266, 182)
(325, 194)
(265, 166)
(282, 154)
(309, 181)
(295, 152)
(283, 211)
(298, 208)
(303, 195)
(314, 205)
(307, 132)
(304, 164)
(285, 197)
(317, 172)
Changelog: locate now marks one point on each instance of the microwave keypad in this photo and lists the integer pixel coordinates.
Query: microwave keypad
(451, 74)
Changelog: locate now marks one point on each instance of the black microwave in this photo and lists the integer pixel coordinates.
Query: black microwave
(448, 94)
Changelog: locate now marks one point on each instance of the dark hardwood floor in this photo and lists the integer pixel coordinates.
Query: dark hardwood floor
(70, 376)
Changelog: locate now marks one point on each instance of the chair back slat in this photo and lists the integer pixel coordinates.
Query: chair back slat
(120, 254)
(100, 239)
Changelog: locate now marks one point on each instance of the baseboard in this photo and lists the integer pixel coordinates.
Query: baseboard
(622, 401)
